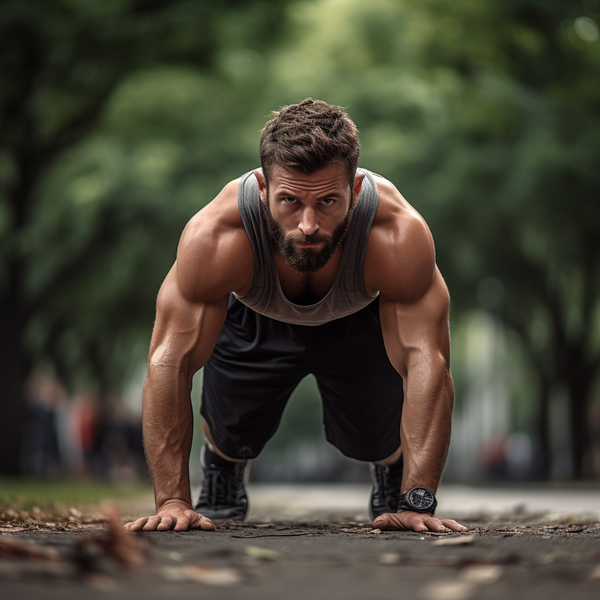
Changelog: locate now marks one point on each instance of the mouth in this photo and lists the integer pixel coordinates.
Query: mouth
(308, 244)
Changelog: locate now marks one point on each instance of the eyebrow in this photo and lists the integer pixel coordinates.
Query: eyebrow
(285, 192)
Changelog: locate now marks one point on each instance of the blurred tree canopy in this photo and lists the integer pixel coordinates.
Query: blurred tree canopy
(487, 115)
(120, 119)
(84, 202)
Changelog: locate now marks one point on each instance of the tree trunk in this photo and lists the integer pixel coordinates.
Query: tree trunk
(543, 428)
(579, 383)
(13, 371)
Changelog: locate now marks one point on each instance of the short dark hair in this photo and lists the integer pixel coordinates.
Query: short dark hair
(309, 136)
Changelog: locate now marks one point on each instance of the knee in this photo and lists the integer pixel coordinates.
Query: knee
(392, 459)
(209, 438)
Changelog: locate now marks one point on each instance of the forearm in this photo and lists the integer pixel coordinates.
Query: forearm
(426, 422)
(168, 430)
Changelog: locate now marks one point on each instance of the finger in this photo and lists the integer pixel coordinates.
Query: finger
(136, 525)
(198, 521)
(453, 525)
(206, 524)
(151, 523)
(166, 523)
(390, 521)
(434, 524)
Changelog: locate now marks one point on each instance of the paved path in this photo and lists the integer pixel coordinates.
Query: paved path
(276, 502)
(524, 544)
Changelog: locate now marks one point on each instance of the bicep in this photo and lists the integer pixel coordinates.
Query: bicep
(419, 330)
(185, 331)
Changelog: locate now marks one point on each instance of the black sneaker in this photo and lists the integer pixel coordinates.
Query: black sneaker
(223, 494)
(387, 482)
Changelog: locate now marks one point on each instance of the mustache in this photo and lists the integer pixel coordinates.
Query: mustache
(308, 239)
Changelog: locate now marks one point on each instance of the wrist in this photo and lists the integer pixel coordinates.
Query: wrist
(419, 499)
(170, 503)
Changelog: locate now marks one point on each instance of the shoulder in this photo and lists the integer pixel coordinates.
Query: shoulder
(214, 256)
(400, 257)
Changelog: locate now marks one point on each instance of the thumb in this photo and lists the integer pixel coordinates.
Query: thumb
(201, 522)
(381, 522)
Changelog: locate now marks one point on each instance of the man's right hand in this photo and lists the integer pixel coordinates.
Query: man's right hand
(173, 514)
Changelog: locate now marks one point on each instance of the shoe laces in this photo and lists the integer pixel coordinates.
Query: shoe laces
(221, 488)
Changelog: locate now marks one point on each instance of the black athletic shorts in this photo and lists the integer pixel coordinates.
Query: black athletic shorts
(257, 363)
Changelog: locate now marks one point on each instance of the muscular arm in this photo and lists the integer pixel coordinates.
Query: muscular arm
(418, 345)
(212, 261)
(184, 337)
(414, 307)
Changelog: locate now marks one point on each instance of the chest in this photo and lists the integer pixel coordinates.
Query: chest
(307, 288)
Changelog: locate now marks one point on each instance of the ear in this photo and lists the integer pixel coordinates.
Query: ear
(262, 185)
(357, 186)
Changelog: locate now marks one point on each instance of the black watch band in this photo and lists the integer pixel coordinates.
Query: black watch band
(418, 499)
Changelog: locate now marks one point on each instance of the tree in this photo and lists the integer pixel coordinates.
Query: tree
(61, 63)
(519, 177)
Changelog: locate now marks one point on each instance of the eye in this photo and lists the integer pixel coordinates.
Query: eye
(289, 200)
(327, 201)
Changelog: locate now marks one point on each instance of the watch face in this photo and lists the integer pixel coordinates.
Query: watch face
(421, 498)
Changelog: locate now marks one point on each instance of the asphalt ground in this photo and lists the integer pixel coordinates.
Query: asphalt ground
(314, 542)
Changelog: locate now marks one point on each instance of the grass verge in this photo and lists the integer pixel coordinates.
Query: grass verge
(24, 494)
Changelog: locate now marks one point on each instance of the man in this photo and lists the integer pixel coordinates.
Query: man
(307, 265)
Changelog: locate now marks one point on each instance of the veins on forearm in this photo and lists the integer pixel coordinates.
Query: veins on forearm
(426, 425)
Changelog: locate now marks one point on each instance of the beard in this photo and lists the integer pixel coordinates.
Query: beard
(305, 260)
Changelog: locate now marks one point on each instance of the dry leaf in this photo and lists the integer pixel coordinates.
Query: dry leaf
(482, 574)
(595, 574)
(448, 589)
(461, 540)
(120, 545)
(201, 573)
(18, 550)
(74, 513)
(262, 553)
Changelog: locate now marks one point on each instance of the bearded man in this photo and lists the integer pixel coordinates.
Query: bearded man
(308, 265)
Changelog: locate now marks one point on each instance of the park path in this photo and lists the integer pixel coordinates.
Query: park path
(314, 542)
(458, 501)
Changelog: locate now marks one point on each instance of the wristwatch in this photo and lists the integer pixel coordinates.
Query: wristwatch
(418, 499)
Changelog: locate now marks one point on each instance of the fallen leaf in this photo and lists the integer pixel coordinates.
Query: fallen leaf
(262, 553)
(75, 513)
(448, 589)
(482, 573)
(595, 574)
(18, 550)
(120, 545)
(461, 540)
(575, 529)
(389, 559)
(201, 573)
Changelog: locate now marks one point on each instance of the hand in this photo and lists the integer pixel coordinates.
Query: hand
(173, 514)
(413, 521)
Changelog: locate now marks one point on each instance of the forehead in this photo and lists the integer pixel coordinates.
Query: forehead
(329, 180)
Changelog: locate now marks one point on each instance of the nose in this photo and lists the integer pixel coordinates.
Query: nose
(308, 221)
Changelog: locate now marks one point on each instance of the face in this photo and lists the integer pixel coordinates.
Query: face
(308, 216)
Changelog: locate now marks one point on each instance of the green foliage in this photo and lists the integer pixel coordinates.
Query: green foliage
(24, 494)
(118, 124)
(486, 115)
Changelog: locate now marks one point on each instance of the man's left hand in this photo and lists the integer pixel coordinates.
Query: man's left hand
(413, 521)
